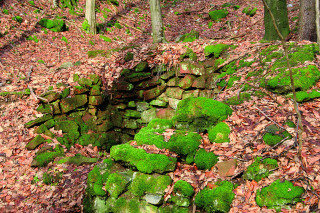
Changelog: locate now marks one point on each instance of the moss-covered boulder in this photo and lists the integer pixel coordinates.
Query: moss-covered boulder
(55, 25)
(218, 199)
(69, 104)
(38, 121)
(215, 50)
(303, 96)
(66, 126)
(43, 158)
(159, 123)
(304, 79)
(150, 187)
(124, 191)
(260, 169)
(279, 195)
(273, 135)
(217, 15)
(205, 160)
(150, 136)
(184, 143)
(219, 133)
(35, 142)
(183, 188)
(199, 114)
(78, 160)
(141, 160)
(238, 99)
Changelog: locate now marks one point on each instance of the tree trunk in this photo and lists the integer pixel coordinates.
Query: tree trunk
(317, 22)
(156, 20)
(279, 11)
(91, 15)
(307, 18)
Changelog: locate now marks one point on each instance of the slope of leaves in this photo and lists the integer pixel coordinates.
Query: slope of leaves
(29, 64)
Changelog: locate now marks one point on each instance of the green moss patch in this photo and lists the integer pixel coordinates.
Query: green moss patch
(183, 188)
(101, 53)
(279, 195)
(55, 25)
(304, 79)
(236, 100)
(159, 123)
(184, 143)
(205, 160)
(260, 169)
(189, 37)
(219, 133)
(218, 199)
(77, 160)
(149, 184)
(250, 11)
(217, 15)
(303, 96)
(275, 135)
(42, 159)
(150, 136)
(215, 50)
(116, 184)
(143, 161)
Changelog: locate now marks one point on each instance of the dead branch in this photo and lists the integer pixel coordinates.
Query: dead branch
(270, 118)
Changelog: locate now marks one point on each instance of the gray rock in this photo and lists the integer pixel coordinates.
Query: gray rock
(155, 199)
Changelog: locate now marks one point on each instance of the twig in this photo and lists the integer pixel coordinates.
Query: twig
(36, 96)
(270, 118)
(29, 74)
(300, 129)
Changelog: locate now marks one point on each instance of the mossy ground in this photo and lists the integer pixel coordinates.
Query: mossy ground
(260, 169)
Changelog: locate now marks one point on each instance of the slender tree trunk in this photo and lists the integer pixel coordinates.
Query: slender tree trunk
(279, 10)
(91, 15)
(317, 22)
(307, 18)
(156, 20)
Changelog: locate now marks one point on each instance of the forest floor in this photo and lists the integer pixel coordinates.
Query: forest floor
(21, 187)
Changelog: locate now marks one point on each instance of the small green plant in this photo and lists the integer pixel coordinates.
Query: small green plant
(45, 30)
(35, 179)
(17, 19)
(91, 43)
(31, 3)
(51, 179)
(64, 39)
(33, 38)
(5, 11)
(210, 24)
(41, 61)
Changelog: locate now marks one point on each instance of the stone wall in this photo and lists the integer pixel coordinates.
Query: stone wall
(142, 94)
